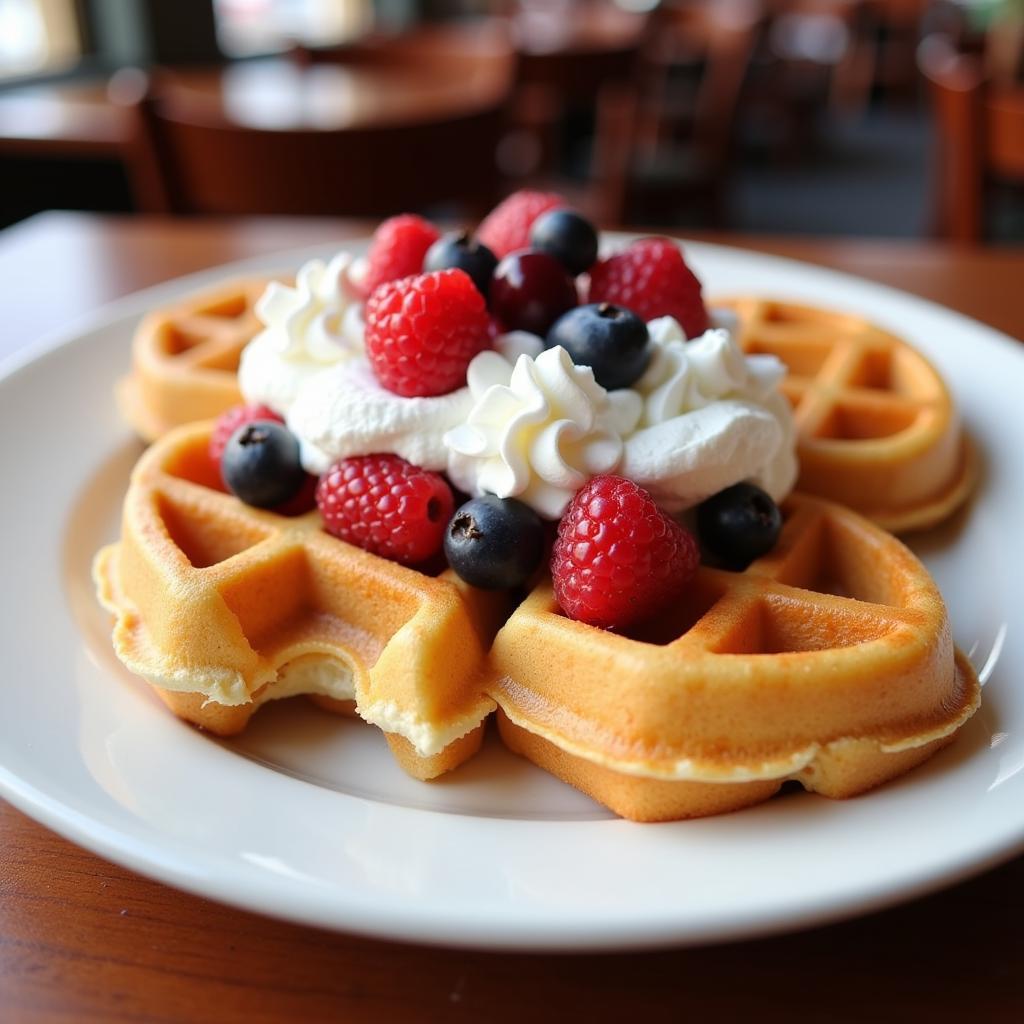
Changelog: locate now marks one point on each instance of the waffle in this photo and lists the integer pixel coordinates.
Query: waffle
(828, 662)
(185, 358)
(877, 427)
(222, 607)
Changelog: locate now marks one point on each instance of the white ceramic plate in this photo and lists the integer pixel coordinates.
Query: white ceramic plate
(307, 817)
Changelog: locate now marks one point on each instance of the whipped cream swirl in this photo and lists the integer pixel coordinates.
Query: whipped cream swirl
(711, 418)
(308, 326)
(538, 429)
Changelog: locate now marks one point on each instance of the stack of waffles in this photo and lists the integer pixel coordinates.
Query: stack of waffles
(828, 661)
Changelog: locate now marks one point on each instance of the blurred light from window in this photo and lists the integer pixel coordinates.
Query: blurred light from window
(37, 35)
(640, 6)
(246, 27)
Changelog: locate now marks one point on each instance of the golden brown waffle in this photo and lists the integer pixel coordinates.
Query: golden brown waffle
(877, 428)
(222, 606)
(829, 661)
(185, 358)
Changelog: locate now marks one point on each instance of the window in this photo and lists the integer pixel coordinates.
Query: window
(38, 35)
(246, 27)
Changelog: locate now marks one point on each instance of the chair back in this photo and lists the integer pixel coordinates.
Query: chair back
(634, 116)
(980, 136)
(191, 159)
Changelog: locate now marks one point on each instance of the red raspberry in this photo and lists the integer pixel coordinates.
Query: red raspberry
(507, 227)
(422, 332)
(397, 250)
(237, 416)
(651, 279)
(619, 558)
(386, 505)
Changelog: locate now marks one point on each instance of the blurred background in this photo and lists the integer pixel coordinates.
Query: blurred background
(848, 117)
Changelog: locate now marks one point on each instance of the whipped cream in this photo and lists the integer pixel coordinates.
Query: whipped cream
(345, 411)
(538, 429)
(307, 327)
(701, 418)
(711, 417)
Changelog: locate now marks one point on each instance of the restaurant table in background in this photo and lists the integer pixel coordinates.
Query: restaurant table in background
(80, 118)
(81, 939)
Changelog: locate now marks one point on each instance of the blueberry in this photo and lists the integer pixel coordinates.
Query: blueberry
(609, 339)
(494, 543)
(738, 525)
(457, 250)
(260, 464)
(567, 236)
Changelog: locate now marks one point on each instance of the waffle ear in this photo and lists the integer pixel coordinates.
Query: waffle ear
(877, 428)
(185, 358)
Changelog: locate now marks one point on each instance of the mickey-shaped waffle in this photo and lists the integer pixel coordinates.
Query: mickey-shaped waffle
(670, 665)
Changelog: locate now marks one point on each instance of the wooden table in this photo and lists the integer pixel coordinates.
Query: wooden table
(82, 940)
(80, 119)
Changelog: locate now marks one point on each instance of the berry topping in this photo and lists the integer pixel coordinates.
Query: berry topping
(651, 279)
(459, 251)
(567, 236)
(261, 466)
(611, 340)
(397, 250)
(386, 505)
(530, 291)
(237, 416)
(738, 524)
(304, 500)
(619, 558)
(507, 227)
(494, 543)
(422, 332)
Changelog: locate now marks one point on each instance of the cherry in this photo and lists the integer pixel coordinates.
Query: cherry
(530, 291)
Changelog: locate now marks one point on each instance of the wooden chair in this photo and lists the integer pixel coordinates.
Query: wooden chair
(189, 159)
(898, 27)
(829, 42)
(980, 137)
(653, 155)
(561, 69)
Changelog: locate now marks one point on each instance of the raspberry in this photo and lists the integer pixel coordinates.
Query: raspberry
(386, 505)
(422, 332)
(651, 279)
(619, 558)
(228, 422)
(507, 227)
(397, 250)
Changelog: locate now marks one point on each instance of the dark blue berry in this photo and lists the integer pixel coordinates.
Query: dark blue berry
(494, 543)
(567, 236)
(457, 250)
(260, 464)
(738, 525)
(609, 339)
(530, 291)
